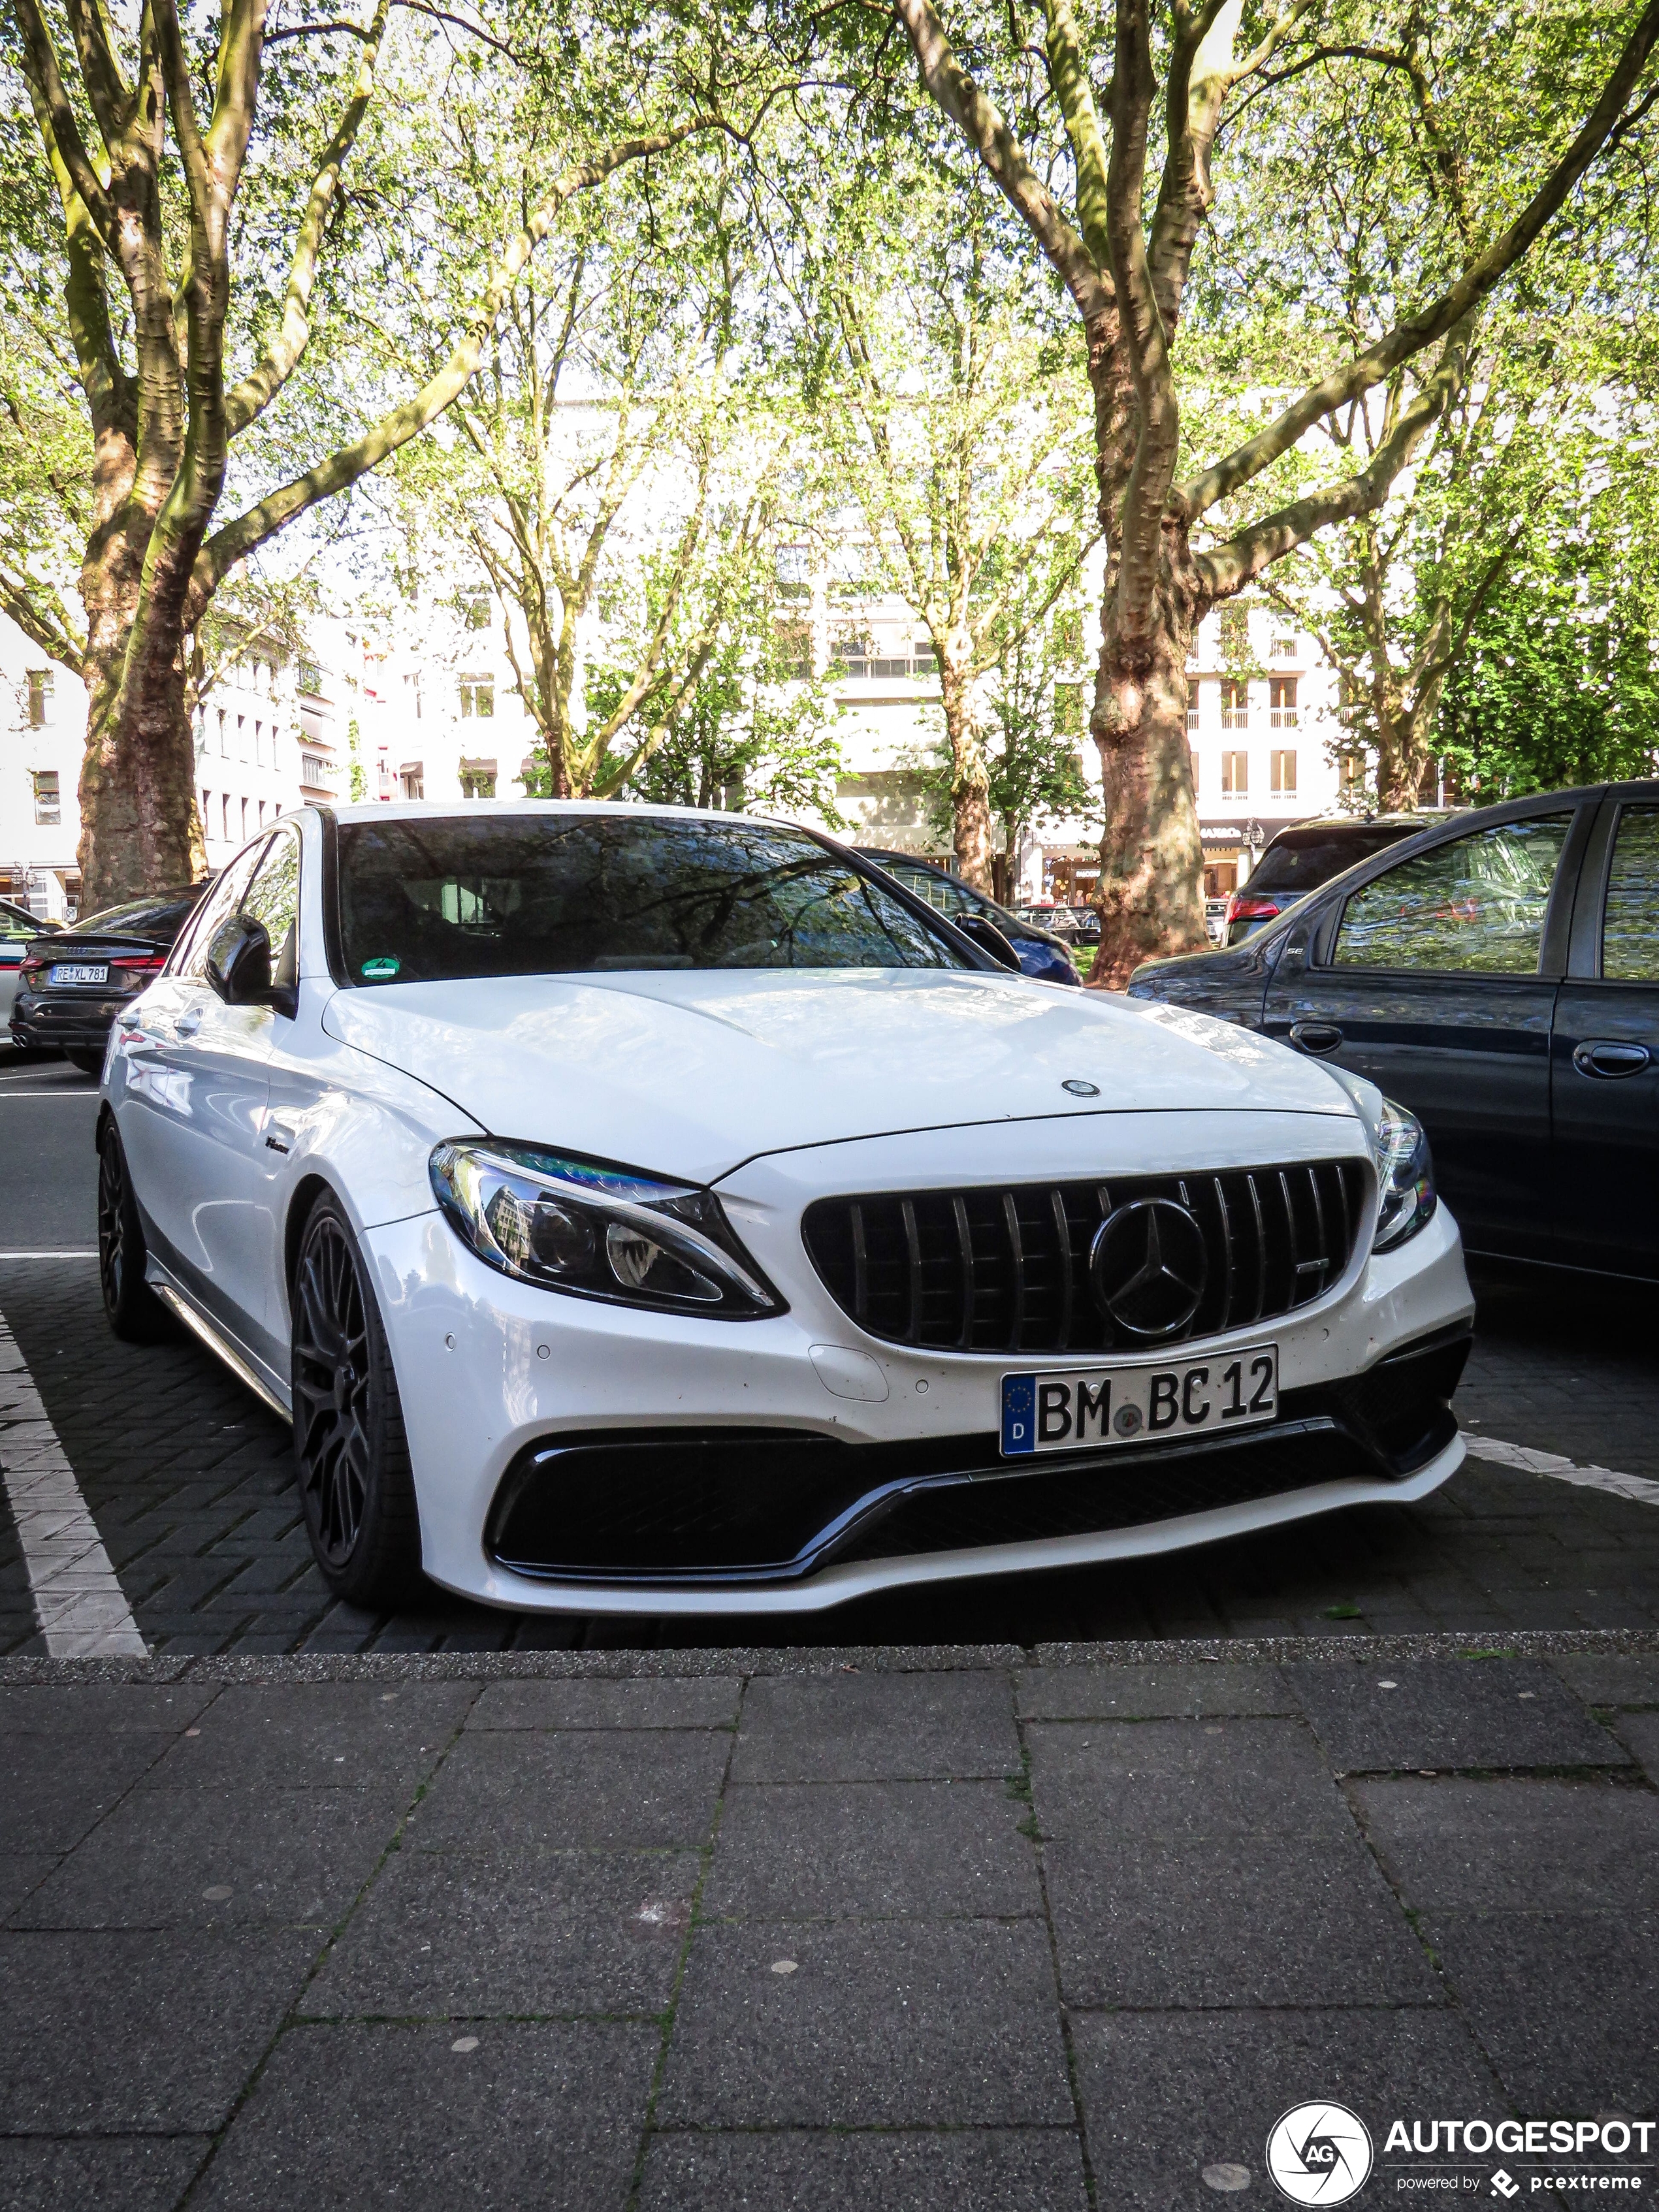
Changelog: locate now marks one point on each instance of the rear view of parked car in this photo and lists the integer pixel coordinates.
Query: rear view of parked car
(18, 930)
(72, 985)
(1299, 861)
(1497, 973)
(1041, 950)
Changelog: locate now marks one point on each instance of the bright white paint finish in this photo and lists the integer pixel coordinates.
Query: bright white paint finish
(1562, 1470)
(775, 1087)
(78, 1600)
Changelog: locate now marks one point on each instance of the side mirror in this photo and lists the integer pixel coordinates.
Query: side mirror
(988, 938)
(239, 962)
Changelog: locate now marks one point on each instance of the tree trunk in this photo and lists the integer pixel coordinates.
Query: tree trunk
(1152, 859)
(970, 784)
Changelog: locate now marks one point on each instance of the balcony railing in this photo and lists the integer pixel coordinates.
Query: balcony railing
(1283, 718)
(1235, 718)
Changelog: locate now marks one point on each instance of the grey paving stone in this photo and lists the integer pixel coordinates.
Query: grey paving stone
(1517, 1844)
(1258, 1920)
(115, 1708)
(53, 1787)
(125, 2032)
(444, 1934)
(877, 1728)
(545, 2116)
(831, 1850)
(1611, 1678)
(890, 2024)
(1565, 2004)
(1092, 1693)
(20, 1873)
(339, 1735)
(1187, 1777)
(127, 2173)
(1166, 2093)
(1641, 1732)
(987, 2169)
(524, 1790)
(164, 1857)
(708, 1701)
(1448, 1713)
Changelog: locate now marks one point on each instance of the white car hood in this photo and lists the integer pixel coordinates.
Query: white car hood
(689, 1074)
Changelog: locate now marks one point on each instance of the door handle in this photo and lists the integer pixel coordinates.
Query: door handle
(1608, 1059)
(187, 1025)
(1315, 1037)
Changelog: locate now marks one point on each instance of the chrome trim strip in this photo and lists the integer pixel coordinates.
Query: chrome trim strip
(199, 1324)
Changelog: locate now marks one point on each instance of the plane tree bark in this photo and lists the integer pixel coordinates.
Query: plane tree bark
(147, 176)
(1124, 255)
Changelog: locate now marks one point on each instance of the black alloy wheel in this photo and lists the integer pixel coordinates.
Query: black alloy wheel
(89, 1063)
(135, 1312)
(350, 1452)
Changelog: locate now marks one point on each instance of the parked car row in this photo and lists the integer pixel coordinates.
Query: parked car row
(71, 985)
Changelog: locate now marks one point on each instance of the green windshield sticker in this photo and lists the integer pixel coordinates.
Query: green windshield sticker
(377, 971)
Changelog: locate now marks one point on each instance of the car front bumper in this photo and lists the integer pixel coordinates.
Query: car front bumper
(576, 1456)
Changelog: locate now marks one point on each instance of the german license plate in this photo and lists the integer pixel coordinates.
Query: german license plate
(1108, 1405)
(77, 971)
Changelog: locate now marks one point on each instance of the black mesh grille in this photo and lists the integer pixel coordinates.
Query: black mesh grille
(1008, 1270)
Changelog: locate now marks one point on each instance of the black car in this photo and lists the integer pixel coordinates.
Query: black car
(70, 985)
(1298, 861)
(1498, 974)
(1040, 951)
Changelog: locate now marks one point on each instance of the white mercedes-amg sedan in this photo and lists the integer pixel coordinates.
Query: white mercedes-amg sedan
(635, 1209)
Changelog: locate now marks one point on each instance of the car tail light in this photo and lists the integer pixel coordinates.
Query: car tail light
(1240, 907)
(140, 963)
(33, 968)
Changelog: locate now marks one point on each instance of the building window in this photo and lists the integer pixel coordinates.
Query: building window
(224, 816)
(48, 799)
(477, 697)
(1235, 626)
(1281, 703)
(41, 684)
(478, 779)
(475, 609)
(224, 743)
(413, 780)
(1235, 704)
(207, 814)
(927, 660)
(1282, 775)
(311, 678)
(1284, 648)
(1192, 762)
(262, 814)
(1069, 710)
(413, 682)
(245, 820)
(1235, 776)
(1352, 768)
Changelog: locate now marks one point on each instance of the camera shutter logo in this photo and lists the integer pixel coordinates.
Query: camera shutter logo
(1319, 2153)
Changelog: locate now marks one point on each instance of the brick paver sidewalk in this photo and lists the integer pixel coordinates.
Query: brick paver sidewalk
(883, 1931)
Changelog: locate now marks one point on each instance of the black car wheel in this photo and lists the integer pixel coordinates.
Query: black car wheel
(350, 1452)
(136, 1314)
(89, 1063)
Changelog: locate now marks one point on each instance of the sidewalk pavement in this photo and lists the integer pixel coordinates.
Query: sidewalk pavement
(887, 1929)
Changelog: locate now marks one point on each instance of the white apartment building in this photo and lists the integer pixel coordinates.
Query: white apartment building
(43, 724)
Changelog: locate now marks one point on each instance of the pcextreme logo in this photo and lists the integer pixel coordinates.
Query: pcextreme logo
(1319, 2153)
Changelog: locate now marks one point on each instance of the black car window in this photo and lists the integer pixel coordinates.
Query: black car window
(221, 902)
(1303, 860)
(1630, 922)
(527, 895)
(943, 896)
(273, 898)
(16, 926)
(1474, 905)
(158, 921)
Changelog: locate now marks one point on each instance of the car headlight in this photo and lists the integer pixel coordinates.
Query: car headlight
(598, 1231)
(1405, 1174)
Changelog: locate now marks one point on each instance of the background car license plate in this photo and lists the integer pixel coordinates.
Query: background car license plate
(1127, 1405)
(78, 971)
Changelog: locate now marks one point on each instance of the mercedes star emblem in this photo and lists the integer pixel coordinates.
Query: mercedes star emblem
(1080, 1088)
(1149, 1266)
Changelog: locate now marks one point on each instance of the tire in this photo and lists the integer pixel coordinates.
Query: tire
(89, 1063)
(136, 1314)
(350, 1452)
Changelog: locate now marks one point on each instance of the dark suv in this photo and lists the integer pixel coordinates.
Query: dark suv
(71, 985)
(1298, 861)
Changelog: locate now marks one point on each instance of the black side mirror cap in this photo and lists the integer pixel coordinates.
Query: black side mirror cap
(239, 966)
(990, 938)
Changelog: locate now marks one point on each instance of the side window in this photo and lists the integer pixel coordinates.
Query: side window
(273, 898)
(1629, 922)
(221, 902)
(940, 893)
(1475, 905)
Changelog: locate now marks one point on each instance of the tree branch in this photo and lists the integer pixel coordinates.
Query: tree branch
(56, 118)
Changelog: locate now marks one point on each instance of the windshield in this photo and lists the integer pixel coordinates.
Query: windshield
(157, 920)
(1302, 860)
(436, 900)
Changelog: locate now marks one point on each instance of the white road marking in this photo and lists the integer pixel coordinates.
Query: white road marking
(90, 1253)
(8, 1097)
(1563, 1470)
(78, 1600)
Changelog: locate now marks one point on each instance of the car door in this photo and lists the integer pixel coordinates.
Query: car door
(1604, 1064)
(1435, 977)
(193, 1124)
(273, 898)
